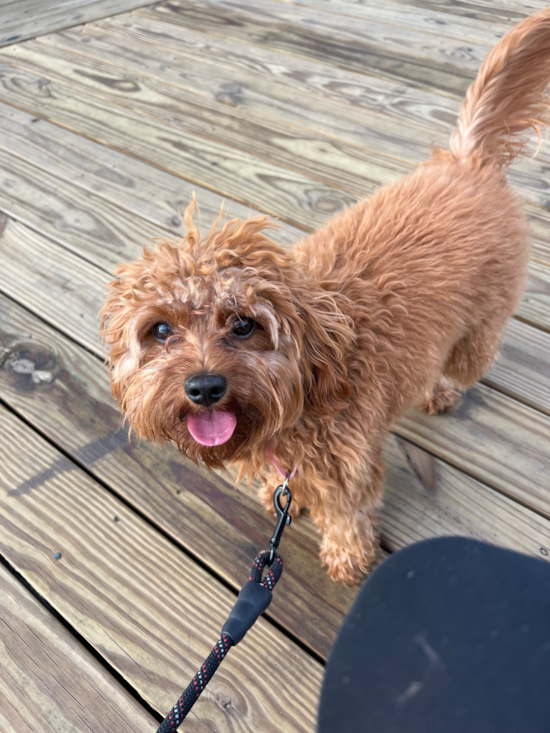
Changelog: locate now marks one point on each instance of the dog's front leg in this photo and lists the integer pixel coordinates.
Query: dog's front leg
(347, 516)
(349, 544)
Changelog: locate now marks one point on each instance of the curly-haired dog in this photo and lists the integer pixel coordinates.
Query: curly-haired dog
(243, 352)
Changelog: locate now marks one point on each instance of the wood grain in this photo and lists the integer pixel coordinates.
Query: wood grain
(247, 179)
(350, 168)
(354, 170)
(96, 229)
(523, 366)
(429, 498)
(148, 48)
(134, 186)
(148, 609)
(373, 48)
(49, 683)
(492, 438)
(534, 308)
(509, 11)
(410, 15)
(28, 18)
(53, 282)
(263, 85)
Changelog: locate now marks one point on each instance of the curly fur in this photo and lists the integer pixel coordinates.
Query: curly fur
(400, 300)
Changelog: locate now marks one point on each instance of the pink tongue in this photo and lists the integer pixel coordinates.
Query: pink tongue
(212, 428)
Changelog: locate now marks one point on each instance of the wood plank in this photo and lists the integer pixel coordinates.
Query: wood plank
(148, 609)
(49, 682)
(489, 436)
(29, 18)
(75, 410)
(492, 438)
(418, 59)
(212, 66)
(232, 76)
(267, 187)
(485, 10)
(91, 226)
(320, 158)
(279, 190)
(426, 497)
(409, 15)
(141, 189)
(43, 276)
(522, 368)
(535, 302)
(362, 93)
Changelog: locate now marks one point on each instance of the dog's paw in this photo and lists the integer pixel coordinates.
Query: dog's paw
(443, 397)
(346, 566)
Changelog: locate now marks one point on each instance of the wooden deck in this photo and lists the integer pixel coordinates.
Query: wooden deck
(122, 560)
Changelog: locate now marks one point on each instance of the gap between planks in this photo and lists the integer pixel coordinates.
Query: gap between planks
(25, 19)
(49, 682)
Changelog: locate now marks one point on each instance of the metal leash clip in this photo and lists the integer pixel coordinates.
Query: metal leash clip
(283, 517)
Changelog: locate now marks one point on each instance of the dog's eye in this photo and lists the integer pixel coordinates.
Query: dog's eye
(161, 331)
(244, 327)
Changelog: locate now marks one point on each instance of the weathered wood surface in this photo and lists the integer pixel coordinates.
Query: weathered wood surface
(148, 609)
(131, 185)
(412, 57)
(522, 368)
(21, 19)
(269, 187)
(356, 171)
(260, 82)
(49, 683)
(430, 117)
(483, 11)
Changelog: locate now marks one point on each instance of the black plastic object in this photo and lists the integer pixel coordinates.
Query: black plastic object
(446, 636)
(251, 602)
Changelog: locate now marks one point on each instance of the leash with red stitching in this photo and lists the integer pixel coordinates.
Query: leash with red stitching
(252, 601)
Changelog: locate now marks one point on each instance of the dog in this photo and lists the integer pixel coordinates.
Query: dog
(245, 353)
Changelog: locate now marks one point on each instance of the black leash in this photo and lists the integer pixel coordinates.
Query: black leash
(252, 601)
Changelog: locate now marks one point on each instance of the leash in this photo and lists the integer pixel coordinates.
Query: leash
(253, 599)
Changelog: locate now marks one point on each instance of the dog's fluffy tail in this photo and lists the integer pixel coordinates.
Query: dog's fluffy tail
(508, 97)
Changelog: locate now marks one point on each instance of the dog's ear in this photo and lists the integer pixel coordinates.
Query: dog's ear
(327, 339)
(128, 295)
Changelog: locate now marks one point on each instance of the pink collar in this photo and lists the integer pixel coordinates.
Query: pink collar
(284, 473)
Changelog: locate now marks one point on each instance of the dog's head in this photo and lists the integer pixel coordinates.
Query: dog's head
(218, 344)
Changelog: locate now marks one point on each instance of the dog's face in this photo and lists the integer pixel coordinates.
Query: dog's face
(206, 343)
(214, 345)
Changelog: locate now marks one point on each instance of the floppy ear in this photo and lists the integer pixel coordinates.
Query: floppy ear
(117, 317)
(327, 339)
(322, 332)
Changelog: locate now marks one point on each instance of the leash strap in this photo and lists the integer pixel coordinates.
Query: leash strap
(252, 601)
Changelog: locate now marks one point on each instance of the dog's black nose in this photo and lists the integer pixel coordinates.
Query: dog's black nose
(205, 389)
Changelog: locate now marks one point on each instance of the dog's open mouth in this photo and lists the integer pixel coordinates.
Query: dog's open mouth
(212, 427)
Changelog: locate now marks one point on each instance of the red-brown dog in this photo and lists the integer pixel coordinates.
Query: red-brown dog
(243, 352)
